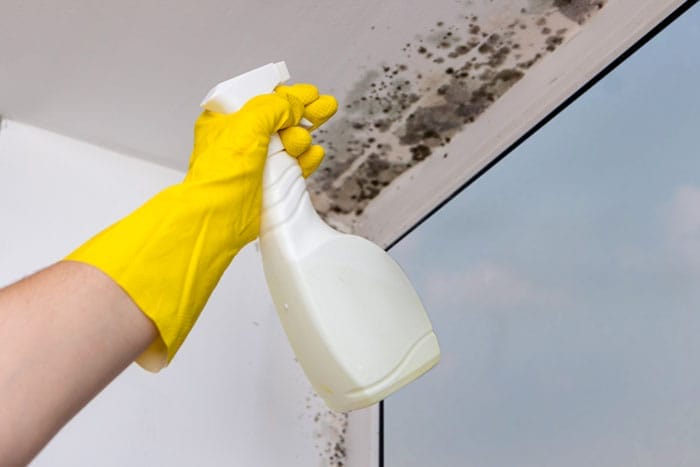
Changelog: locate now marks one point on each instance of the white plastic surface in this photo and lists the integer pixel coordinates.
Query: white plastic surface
(356, 324)
(229, 96)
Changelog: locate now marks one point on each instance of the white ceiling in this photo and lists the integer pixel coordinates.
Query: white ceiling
(129, 75)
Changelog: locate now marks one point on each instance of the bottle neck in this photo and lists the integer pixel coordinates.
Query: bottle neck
(284, 191)
(287, 208)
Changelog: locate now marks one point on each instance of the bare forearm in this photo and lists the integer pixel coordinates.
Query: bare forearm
(65, 333)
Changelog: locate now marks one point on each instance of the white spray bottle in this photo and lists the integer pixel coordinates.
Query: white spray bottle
(354, 321)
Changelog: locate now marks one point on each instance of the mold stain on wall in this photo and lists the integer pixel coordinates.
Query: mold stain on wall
(407, 110)
(329, 432)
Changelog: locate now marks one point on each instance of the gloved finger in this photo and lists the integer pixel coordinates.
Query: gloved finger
(297, 111)
(296, 140)
(320, 110)
(272, 111)
(311, 159)
(306, 93)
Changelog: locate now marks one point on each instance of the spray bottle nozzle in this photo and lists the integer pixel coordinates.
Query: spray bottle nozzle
(229, 96)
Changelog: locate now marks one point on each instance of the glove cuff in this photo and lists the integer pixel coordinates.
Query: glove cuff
(168, 256)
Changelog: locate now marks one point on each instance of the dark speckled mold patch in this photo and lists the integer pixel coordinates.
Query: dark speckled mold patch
(405, 111)
(330, 432)
(578, 10)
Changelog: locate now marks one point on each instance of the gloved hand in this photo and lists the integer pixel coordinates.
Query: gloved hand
(170, 253)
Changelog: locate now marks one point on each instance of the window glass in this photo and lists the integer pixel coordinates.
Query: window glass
(564, 286)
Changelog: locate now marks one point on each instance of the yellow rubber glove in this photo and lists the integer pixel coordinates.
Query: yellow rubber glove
(170, 253)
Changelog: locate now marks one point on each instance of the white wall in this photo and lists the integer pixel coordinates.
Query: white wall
(234, 394)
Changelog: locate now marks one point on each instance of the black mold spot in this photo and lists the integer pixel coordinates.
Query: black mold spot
(553, 42)
(429, 121)
(579, 10)
(494, 39)
(528, 63)
(459, 51)
(420, 152)
(499, 57)
(485, 48)
(509, 75)
(382, 125)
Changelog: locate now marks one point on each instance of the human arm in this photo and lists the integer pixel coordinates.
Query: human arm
(202, 221)
(65, 333)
